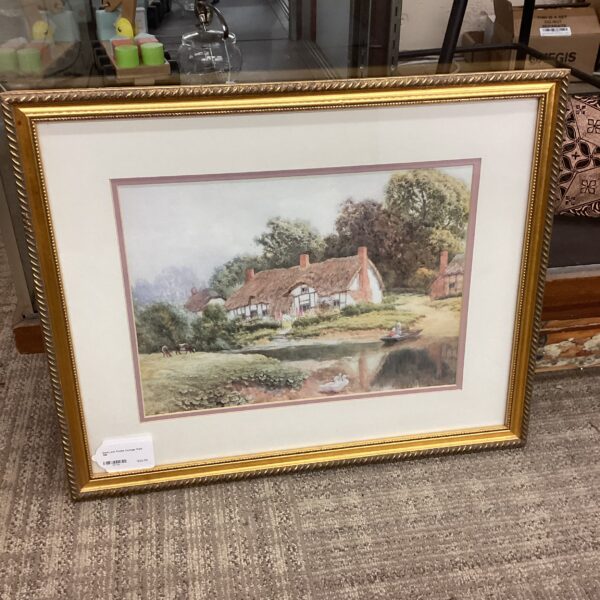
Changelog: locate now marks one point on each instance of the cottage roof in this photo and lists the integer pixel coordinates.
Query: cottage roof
(199, 299)
(456, 265)
(272, 287)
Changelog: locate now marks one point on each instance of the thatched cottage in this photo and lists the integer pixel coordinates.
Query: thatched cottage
(277, 293)
(200, 299)
(449, 281)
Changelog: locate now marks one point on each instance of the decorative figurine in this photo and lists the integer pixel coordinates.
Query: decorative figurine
(128, 8)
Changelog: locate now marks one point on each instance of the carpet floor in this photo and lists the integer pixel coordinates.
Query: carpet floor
(520, 524)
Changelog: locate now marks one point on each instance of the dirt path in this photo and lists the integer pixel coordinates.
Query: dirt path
(439, 318)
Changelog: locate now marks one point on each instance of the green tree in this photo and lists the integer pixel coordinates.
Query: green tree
(430, 197)
(286, 239)
(433, 208)
(213, 331)
(159, 325)
(282, 243)
(367, 223)
(228, 277)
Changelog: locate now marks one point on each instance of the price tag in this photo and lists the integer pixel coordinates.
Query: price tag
(555, 31)
(125, 453)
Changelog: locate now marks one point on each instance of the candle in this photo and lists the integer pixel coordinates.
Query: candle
(8, 60)
(30, 60)
(153, 54)
(127, 57)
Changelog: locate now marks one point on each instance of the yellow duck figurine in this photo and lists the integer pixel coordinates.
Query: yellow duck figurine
(42, 31)
(124, 28)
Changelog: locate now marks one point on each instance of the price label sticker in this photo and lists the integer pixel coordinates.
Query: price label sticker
(125, 453)
(555, 31)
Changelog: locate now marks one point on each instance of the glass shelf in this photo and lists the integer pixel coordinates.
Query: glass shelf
(278, 40)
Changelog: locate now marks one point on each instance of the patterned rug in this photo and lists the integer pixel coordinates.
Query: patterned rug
(518, 524)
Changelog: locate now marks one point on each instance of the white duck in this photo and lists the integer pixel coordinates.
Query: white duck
(336, 385)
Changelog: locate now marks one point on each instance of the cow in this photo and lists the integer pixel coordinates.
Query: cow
(184, 348)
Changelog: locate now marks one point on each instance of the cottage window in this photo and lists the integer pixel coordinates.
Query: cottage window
(336, 303)
(304, 289)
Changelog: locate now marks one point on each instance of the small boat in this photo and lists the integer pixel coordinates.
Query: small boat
(335, 386)
(393, 338)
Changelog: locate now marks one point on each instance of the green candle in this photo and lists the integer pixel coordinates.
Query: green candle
(127, 57)
(30, 60)
(8, 60)
(153, 54)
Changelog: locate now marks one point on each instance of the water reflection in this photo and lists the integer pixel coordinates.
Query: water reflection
(373, 366)
(408, 368)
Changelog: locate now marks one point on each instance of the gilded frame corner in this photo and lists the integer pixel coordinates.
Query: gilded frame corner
(23, 110)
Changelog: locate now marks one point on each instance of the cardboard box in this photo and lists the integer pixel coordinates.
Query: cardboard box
(569, 34)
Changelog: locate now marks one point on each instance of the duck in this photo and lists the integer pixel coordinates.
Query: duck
(42, 31)
(336, 385)
(124, 28)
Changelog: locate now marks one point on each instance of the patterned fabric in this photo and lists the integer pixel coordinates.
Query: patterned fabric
(580, 174)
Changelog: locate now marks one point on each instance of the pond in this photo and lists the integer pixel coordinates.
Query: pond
(371, 365)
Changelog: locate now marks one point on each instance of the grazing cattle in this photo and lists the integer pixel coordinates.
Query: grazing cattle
(184, 349)
(165, 351)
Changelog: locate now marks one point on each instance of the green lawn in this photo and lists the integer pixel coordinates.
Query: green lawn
(376, 320)
(209, 380)
(253, 337)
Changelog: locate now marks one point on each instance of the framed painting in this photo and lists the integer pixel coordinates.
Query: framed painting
(251, 279)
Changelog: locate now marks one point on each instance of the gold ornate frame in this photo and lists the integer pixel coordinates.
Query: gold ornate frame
(24, 110)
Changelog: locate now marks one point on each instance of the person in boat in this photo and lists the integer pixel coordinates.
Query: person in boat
(396, 330)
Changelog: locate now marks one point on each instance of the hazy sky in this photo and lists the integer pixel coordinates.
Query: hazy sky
(203, 224)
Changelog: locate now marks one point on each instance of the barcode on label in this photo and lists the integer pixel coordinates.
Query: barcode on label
(555, 31)
(120, 454)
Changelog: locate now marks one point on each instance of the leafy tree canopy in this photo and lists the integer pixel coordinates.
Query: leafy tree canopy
(433, 209)
(282, 243)
(367, 223)
(230, 276)
(424, 212)
(159, 325)
(286, 239)
(429, 199)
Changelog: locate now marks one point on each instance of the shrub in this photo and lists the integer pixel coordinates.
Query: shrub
(314, 319)
(256, 324)
(354, 310)
(213, 331)
(159, 325)
(422, 279)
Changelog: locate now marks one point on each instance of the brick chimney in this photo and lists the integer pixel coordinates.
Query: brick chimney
(304, 261)
(364, 285)
(443, 260)
(249, 275)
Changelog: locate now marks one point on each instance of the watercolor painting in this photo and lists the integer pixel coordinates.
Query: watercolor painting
(247, 290)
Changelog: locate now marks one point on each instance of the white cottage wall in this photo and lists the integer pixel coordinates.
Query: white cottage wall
(376, 290)
(304, 295)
